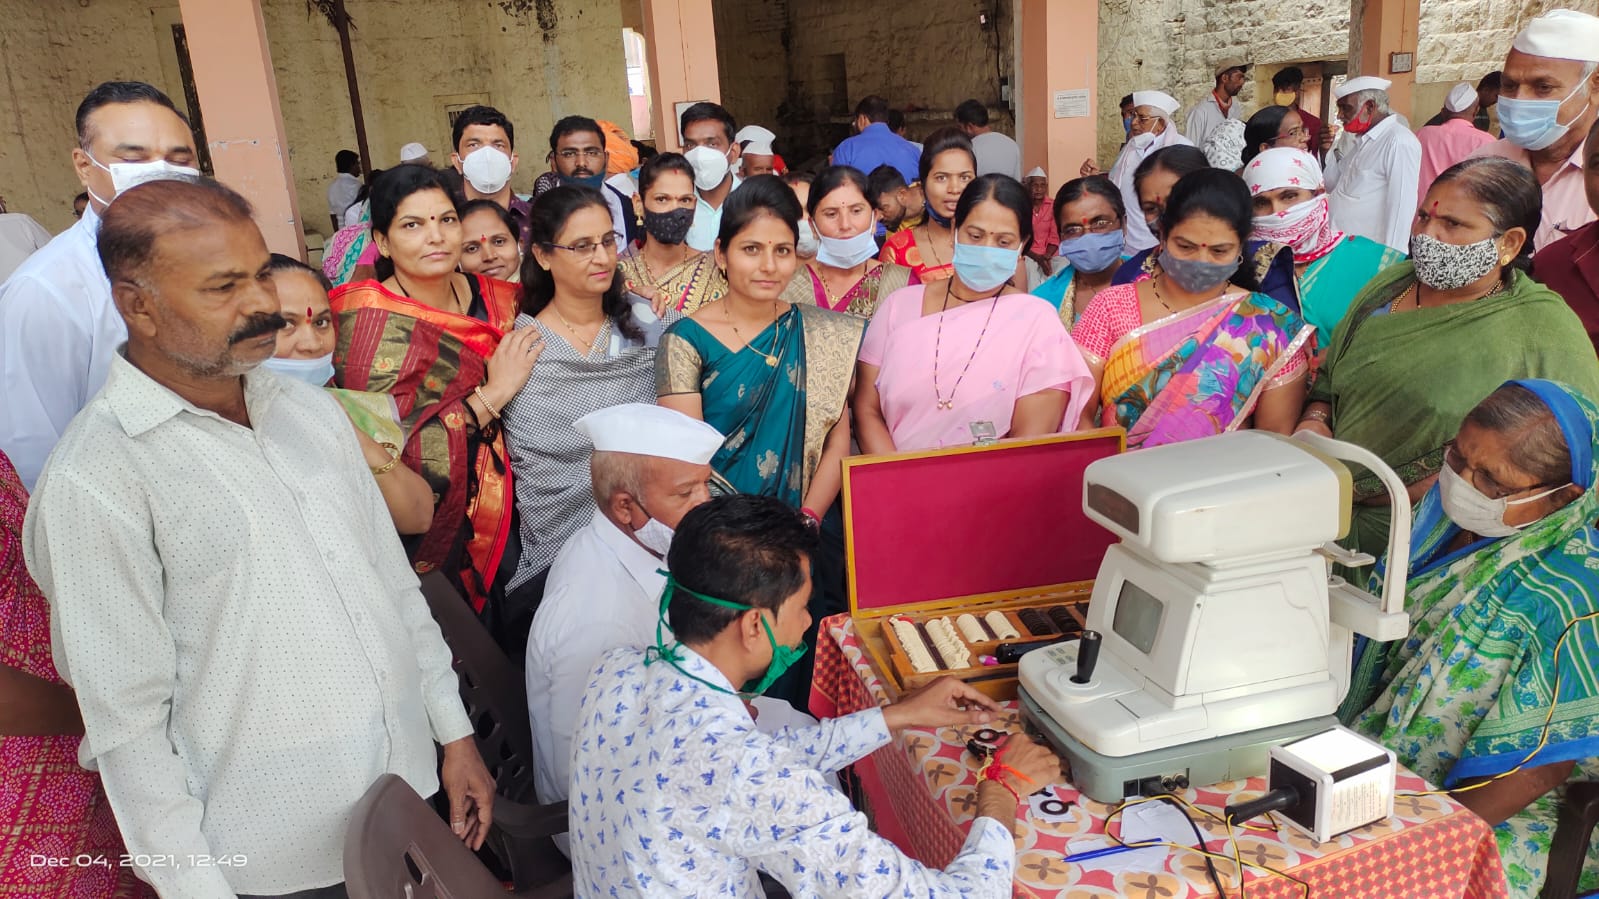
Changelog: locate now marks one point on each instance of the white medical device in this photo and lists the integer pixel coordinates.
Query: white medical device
(1223, 633)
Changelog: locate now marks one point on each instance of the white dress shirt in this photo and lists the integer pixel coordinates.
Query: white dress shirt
(1371, 189)
(58, 332)
(246, 639)
(676, 793)
(342, 192)
(997, 154)
(20, 237)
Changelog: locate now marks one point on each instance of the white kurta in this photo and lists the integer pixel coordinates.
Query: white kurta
(1139, 237)
(1372, 188)
(246, 638)
(1207, 115)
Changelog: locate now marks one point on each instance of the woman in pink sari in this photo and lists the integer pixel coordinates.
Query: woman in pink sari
(972, 356)
(50, 808)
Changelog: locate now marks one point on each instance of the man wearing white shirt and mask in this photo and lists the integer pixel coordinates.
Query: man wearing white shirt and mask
(650, 467)
(229, 600)
(1154, 127)
(1372, 185)
(1548, 101)
(58, 327)
(709, 146)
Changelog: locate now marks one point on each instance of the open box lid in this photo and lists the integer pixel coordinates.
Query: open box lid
(937, 526)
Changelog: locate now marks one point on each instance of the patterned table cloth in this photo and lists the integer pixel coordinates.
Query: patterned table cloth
(922, 789)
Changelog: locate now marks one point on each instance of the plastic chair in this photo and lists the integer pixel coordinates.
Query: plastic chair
(397, 847)
(1579, 814)
(496, 700)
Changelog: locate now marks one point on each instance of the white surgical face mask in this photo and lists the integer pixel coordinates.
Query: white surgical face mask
(1467, 507)
(316, 372)
(486, 169)
(847, 252)
(655, 537)
(128, 175)
(710, 167)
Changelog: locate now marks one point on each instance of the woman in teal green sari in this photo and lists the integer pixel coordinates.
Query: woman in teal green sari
(1494, 695)
(771, 376)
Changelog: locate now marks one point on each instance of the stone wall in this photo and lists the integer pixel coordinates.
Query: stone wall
(1463, 40)
(799, 66)
(537, 61)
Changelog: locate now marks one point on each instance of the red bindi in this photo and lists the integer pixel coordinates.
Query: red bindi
(308, 313)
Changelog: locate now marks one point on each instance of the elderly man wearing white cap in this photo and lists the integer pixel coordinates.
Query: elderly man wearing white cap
(1454, 138)
(758, 157)
(1371, 186)
(1548, 99)
(1046, 239)
(1154, 128)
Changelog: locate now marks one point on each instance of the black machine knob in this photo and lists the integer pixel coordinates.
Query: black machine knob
(1087, 656)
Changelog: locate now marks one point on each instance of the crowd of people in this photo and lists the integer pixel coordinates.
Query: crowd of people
(614, 414)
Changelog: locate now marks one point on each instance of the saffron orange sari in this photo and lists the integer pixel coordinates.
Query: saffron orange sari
(429, 361)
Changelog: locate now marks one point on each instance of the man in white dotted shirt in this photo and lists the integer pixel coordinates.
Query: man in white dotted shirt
(230, 601)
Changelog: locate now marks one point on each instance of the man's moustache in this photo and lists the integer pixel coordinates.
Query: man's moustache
(259, 326)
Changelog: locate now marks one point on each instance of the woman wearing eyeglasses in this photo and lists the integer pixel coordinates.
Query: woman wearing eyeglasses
(1089, 215)
(598, 353)
(1274, 126)
(442, 344)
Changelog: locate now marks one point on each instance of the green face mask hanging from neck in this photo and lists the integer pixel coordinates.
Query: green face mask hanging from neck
(783, 657)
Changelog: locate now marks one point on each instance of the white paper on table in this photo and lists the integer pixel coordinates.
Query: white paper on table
(1151, 860)
(1156, 820)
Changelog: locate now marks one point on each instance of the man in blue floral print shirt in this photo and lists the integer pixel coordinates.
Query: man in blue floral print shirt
(676, 793)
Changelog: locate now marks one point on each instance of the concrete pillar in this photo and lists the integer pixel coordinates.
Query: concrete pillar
(1071, 29)
(1387, 27)
(243, 123)
(680, 41)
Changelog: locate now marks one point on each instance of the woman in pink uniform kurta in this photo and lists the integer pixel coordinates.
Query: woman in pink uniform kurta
(50, 808)
(941, 363)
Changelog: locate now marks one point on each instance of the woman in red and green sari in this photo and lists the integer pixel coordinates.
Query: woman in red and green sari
(440, 343)
(1195, 351)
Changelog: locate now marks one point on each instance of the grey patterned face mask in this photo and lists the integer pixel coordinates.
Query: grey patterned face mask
(1447, 266)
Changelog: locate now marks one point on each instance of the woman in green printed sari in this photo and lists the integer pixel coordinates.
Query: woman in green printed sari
(1494, 695)
(1429, 337)
(774, 378)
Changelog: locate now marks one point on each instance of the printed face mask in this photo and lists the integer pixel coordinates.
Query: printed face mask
(1447, 266)
(671, 227)
(1196, 276)
(985, 268)
(316, 372)
(783, 657)
(486, 169)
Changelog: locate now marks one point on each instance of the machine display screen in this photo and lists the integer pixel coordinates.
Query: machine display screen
(1137, 616)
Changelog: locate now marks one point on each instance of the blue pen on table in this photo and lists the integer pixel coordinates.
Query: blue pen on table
(1108, 850)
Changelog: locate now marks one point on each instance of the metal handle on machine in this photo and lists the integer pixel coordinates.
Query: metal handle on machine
(1393, 586)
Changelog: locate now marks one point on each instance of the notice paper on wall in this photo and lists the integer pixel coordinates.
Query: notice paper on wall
(1071, 104)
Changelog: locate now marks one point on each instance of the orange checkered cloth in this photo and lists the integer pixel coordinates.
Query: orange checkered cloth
(923, 789)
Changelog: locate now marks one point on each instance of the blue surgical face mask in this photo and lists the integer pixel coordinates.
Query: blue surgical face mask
(316, 372)
(985, 268)
(938, 218)
(1535, 124)
(1094, 252)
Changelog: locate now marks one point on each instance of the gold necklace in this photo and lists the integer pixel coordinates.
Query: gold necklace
(727, 307)
(649, 273)
(832, 301)
(585, 347)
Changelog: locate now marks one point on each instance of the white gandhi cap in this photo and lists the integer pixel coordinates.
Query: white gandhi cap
(1157, 99)
(1561, 34)
(760, 140)
(1037, 172)
(1363, 83)
(413, 152)
(646, 429)
(1461, 96)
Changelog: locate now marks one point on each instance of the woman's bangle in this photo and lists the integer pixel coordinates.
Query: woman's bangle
(811, 514)
(394, 459)
(1321, 415)
(478, 392)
